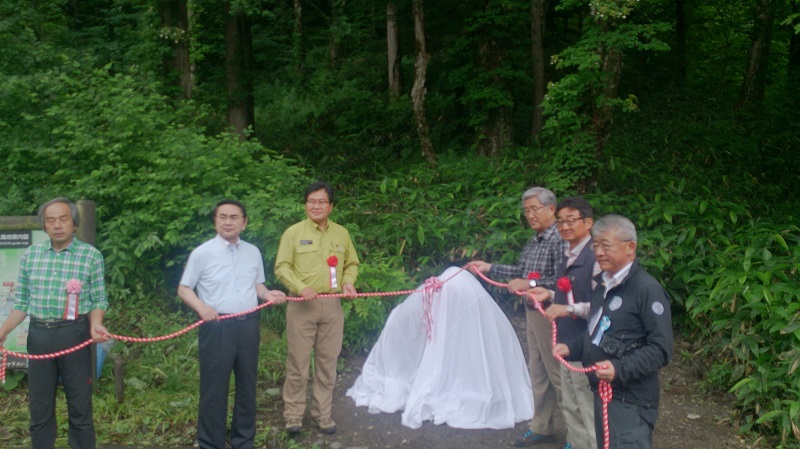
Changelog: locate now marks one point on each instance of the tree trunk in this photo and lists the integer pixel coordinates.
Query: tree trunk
(538, 17)
(238, 65)
(175, 28)
(793, 69)
(755, 74)
(680, 38)
(420, 74)
(393, 50)
(495, 132)
(336, 30)
(298, 53)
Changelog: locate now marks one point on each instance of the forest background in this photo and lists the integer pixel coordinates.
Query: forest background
(430, 119)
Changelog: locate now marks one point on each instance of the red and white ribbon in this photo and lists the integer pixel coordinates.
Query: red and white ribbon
(332, 262)
(431, 286)
(74, 287)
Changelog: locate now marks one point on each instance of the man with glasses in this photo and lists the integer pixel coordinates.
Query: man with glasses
(569, 309)
(315, 256)
(629, 337)
(224, 276)
(537, 266)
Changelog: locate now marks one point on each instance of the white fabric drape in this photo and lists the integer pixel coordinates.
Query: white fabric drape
(470, 375)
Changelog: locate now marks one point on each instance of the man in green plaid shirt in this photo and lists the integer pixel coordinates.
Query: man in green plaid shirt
(61, 288)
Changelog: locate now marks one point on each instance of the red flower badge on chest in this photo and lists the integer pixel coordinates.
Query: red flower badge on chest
(74, 287)
(332, 262)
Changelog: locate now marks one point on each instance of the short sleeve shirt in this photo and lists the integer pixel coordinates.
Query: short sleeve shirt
(225, 275)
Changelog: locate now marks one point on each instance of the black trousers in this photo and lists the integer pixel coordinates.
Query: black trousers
(75, 370)
(631, 426)
(228, 346)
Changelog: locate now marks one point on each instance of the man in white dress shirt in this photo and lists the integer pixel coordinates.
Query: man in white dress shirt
(223, 276)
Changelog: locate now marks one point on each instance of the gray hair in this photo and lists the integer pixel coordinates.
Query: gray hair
(73, 209)
(544, 196)
(619, 225)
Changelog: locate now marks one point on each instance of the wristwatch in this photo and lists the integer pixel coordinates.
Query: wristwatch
(533, 283)
(571, 309)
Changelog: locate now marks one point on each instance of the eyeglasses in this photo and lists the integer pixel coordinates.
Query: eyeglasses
(229, 217)
(607, 246)
(570, 222)
(532, 210)
(313, 203)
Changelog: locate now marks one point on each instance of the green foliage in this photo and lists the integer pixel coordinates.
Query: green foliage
(579, 106)
(115, 140)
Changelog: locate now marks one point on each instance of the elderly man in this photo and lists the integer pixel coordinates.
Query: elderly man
(61, 288)
(537, 266)
(224, 276)
(629, 336)
(315, 256)
(570, 308)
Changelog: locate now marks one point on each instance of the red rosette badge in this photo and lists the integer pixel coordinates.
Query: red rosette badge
(73, 287)
(534, 276)
(332, 262)
(565, 285)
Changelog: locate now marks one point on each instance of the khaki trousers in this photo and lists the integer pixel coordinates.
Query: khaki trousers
(315, 325)
(578, 405)
(545, 373)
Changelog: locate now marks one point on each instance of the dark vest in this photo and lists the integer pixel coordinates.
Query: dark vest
(580, 275)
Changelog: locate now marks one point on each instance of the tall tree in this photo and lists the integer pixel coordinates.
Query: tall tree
(755, 73)
(580, 106)
(175, 29)
(338, 27)
(538, 17)
(680, 38)
(239, 69)
(393, 50)
(298, 52)
(418, 91)
(793, 69)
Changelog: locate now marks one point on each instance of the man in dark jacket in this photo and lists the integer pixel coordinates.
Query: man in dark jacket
(629, 337)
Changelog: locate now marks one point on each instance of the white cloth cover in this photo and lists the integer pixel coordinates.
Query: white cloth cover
(470, 375)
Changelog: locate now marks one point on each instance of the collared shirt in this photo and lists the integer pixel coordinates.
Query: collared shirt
(609, 281)
(612, 280)
(225, 275)
(542, 254)
(302, 259)
(582, 308)
(43, 276)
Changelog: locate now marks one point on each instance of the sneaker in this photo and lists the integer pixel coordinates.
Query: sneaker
(294, 426)
(567, 446)
(529, 438)
(326, 425)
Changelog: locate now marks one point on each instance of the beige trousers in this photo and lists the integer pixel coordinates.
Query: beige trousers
(315, 325)
(545, 373)
(578, 405)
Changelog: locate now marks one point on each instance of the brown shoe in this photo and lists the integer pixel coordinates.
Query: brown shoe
(294, 426)
(326, 425)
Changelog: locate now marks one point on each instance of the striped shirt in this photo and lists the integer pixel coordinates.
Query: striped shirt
(542, 254)
(43, 276)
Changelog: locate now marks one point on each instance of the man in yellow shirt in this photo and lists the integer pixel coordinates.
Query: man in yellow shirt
(315, 256)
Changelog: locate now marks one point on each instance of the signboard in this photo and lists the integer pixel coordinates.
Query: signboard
(12, 246)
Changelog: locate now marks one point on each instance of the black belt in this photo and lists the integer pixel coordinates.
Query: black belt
(240, 317)
(53, 324)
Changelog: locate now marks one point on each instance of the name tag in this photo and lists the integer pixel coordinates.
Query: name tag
(306, 242)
